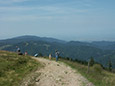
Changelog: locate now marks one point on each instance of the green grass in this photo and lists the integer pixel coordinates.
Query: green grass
(96, 75)
(13, 68)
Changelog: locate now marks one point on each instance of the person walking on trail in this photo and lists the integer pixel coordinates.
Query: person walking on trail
(57, 55)
(50, 56)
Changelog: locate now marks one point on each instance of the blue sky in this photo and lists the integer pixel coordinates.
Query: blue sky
(80, 20)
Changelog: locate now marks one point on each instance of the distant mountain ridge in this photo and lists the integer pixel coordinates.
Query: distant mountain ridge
(31, 38)
(73, 49)
(99, 44)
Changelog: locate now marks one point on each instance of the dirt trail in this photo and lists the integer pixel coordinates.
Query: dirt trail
(58, 74)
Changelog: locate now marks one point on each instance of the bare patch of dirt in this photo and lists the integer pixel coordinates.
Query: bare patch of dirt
(58, 74)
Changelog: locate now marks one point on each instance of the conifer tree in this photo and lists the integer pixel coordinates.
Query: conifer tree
(110, 65)
(92, 61)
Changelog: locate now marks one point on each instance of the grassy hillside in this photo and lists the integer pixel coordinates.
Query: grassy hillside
(97, 75)
(13, 68)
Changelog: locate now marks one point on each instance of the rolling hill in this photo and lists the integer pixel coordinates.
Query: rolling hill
(102, 52)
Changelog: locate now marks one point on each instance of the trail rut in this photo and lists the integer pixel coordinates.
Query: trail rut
(59, 74)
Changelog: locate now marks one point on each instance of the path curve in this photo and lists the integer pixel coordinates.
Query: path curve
(59, 74)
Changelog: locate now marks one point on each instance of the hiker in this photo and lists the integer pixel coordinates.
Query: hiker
(18, 49)
(26, 53)
(50, 56)
(57, 55)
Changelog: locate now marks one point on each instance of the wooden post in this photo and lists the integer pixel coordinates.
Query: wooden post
(88, 66)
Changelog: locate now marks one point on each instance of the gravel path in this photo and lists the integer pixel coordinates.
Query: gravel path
(59, 74)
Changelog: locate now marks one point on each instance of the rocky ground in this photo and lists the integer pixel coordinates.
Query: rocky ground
(57, 74)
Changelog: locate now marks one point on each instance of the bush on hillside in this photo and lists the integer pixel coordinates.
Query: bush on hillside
(97, 68)
(40, 55)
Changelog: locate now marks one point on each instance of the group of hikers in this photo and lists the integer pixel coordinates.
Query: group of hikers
(56, 55)
(36, 55)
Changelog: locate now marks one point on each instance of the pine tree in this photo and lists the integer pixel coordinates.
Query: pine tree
(110, 65)
(92, 61)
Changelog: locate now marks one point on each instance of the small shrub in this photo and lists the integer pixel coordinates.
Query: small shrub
(2, 74)
(22, 61)
(97, 68)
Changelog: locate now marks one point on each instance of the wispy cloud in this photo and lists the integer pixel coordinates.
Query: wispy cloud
(21, 12)
(11, 1)
(45, 12)
(44, 8)
(20, 8)
(25, 18)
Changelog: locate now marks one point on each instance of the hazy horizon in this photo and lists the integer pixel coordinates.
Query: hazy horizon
(59, 39)
(78, 20)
